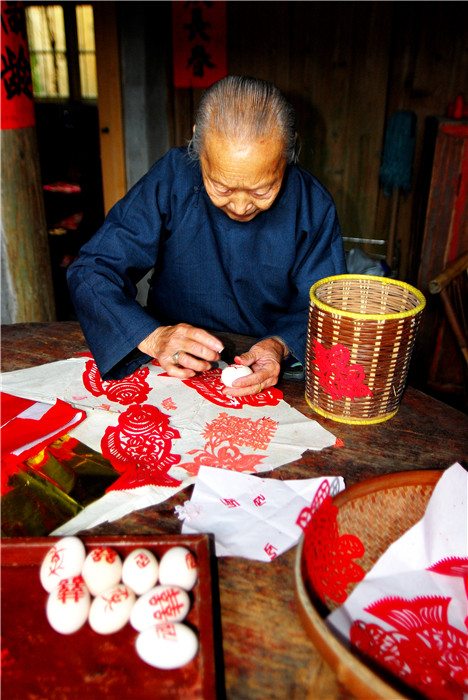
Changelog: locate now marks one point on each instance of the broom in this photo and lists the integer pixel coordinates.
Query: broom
(397, 165)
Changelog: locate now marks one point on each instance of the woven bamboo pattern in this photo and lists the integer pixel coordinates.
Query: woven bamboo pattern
(360, 337)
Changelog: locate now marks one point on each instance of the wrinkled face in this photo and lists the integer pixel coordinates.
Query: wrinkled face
(241, 178)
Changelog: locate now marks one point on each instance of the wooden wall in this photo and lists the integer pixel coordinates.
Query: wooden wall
(346, 67)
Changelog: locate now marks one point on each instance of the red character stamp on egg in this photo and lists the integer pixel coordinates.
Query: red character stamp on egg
(101, 553)
(142, 560)
(115, 597)
(190, 561)
(71, 589)
(271, 550)
(167, 605)
(166, 631)
(259, 500)
(56, 561)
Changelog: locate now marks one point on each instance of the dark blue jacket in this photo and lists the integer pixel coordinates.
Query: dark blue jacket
(250, 277)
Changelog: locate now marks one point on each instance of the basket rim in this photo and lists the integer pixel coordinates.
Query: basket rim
(369, 317)
(351, 420)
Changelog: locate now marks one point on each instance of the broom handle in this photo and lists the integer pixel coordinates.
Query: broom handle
(392, 232)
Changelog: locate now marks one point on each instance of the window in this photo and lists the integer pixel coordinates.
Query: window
(47, 50)
(62, 51)
(86, 50)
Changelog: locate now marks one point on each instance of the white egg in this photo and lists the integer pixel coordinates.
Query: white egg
(63, 560)
(232, 372)
(160, 604)
(68, 605)
(102, 569)
(140, 570)
(167, 646)
(178, 567)
(110, 610)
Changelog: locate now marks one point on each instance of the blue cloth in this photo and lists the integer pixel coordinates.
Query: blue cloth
(251, 278)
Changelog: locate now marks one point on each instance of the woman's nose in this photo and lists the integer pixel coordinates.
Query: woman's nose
(240, 203)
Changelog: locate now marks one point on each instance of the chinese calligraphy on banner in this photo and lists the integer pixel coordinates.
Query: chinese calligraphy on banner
(17, 95)
(199, 43)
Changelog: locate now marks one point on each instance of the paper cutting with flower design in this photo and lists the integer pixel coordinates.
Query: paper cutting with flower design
(224, 436)
(329, 556)
(139, 447)
(131, 389)
(423, 648)
(208, 384)
(336, 376)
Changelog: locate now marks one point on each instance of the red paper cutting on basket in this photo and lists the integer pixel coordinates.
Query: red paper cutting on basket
(337, 377)
(328, 555)
(140, 448)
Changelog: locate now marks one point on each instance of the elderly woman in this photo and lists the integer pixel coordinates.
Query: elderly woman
(236, 234)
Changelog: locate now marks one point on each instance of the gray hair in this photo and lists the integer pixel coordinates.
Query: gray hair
(244, 108)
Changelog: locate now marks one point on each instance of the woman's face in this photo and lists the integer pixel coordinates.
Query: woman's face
(241, 178)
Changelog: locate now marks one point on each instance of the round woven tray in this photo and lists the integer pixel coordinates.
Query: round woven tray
(360, 337)
(378, 511)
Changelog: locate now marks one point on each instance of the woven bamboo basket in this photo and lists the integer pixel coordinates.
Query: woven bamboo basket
(377, 511)
(360, 337)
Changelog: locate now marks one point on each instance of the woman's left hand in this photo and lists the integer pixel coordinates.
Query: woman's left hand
(264, 359)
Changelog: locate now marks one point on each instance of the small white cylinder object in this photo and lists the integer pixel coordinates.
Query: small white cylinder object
(232, 372)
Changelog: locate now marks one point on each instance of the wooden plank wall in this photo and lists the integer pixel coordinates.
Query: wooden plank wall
(346, 67)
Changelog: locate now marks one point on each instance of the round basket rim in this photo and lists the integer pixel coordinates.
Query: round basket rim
(350, 420)
(369, 317)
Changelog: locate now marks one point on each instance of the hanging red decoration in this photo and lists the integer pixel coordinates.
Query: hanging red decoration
(17, 92)
(198, 43)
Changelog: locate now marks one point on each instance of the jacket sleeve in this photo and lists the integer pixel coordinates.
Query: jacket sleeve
(102, 281)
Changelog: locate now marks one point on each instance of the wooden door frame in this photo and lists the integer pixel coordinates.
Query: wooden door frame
(111, 134)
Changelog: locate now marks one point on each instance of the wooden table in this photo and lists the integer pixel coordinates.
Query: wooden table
(266, 651)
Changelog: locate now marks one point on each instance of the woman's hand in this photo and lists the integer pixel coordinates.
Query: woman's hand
(264, 359)
(182, 350)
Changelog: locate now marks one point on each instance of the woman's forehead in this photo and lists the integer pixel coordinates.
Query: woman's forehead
(239, 163)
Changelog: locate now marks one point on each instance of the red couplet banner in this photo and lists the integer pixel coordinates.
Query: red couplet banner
(17, 92)
(199, 43)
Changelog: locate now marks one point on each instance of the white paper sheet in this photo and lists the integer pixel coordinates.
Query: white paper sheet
(249, 516)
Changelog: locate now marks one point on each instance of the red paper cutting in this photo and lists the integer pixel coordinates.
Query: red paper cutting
(336, 376)
(208, 384)
(131, 389)
(140, 448)
(329, 556)
(423, 649)
(225, 435)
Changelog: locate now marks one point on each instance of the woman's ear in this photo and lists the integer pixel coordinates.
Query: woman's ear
(193, 130)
